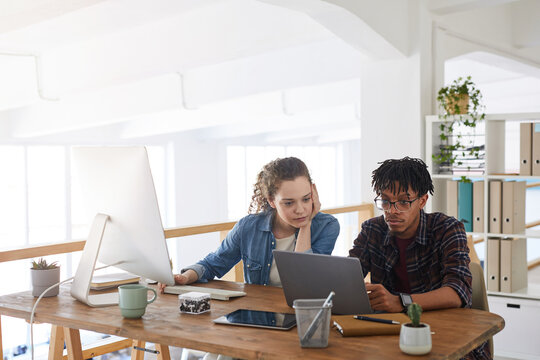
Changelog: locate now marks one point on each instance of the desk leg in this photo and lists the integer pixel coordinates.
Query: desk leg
(1, 349)
(137, 354)
(73, 344)
(56, 345)
(164, 353)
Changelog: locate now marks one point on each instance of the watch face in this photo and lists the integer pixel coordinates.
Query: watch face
(406, 299)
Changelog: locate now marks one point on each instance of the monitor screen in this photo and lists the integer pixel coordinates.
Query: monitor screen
(117, 183)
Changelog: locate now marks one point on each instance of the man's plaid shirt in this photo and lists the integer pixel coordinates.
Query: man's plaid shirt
(439, 256)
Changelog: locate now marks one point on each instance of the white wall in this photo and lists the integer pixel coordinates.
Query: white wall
(201, 182)
(391, 116)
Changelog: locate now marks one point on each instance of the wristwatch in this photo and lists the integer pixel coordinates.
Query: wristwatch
(406, 300)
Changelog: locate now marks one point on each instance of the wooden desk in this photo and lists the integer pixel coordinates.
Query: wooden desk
(457, 331)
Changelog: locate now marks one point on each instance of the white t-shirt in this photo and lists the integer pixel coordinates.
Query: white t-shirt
(285, 244)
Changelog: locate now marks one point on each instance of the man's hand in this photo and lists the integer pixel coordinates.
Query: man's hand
(185, 278)
(382, 300)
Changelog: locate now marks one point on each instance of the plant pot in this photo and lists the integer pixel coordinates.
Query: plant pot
(415, 340)
(43, 279)
(457, 104)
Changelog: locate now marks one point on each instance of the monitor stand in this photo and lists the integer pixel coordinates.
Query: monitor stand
(80, 288)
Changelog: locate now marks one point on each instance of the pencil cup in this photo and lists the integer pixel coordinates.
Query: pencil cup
(313, 322)
(133, 299)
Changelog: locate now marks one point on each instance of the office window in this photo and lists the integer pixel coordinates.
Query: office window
(13, 195)
(36, 208)
(245, 162)
(46, 194)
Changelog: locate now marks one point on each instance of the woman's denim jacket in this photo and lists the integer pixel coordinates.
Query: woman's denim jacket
(252, 241)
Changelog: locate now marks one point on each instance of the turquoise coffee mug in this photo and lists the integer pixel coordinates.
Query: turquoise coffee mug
(133, 299)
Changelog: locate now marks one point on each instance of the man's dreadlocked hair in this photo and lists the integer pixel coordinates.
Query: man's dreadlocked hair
(407, 172)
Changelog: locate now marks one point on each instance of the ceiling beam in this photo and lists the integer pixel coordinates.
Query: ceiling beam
(94, 109)
(349, 20)
(297, 124)
(21, 13)
(446, 7)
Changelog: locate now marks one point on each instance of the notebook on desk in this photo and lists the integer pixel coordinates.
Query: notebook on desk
(107, 281)
(217, 294)
(347, 325)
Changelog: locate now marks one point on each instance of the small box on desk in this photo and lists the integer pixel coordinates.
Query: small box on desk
(194, 302)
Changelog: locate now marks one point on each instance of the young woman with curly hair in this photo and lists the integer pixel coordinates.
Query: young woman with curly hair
(283, 214)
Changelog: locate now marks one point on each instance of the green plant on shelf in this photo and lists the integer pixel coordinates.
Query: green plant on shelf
(461, 106)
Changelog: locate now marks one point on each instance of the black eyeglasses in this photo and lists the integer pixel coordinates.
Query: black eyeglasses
(400, 205)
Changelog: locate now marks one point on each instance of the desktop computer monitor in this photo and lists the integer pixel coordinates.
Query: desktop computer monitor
(118, 193)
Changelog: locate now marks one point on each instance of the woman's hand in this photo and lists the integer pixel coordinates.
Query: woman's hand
(315, 200)
(303, 240)
(187, 277)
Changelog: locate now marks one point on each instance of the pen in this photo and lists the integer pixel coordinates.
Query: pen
(384, 321)
(315, 323)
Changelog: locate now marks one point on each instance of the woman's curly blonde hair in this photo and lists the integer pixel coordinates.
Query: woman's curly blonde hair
(270, 178)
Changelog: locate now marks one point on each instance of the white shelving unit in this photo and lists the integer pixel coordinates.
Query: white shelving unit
(494, 130)
(520, 309)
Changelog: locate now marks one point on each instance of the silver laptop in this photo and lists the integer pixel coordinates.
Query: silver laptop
(313, 276)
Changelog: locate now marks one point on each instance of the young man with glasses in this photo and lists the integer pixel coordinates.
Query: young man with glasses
(412, 255)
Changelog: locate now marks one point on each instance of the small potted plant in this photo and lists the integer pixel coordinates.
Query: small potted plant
(44, 275)
(461, 108)
(415, 337)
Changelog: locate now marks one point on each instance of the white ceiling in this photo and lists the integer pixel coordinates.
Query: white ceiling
(234, 70)
(165, 67)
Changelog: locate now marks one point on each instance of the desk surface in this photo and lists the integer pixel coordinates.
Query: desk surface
(457, 331)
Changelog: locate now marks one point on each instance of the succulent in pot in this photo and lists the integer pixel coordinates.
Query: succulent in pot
(44, 275)
(415, 337)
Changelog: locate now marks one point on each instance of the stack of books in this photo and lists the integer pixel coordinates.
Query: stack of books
(108, 281)
(465, 163)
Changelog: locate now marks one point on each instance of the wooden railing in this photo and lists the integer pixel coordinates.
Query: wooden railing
(365, 211)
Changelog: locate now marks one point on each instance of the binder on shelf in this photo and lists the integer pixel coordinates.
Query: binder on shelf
(513, 207)
(452, 198)
(465, 204)
(536, 149)
(495, 202)
(478, 206)
(493, 261)
(513, 264)
(525, 148)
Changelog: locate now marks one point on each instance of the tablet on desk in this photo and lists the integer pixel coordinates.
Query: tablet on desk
(256, 318)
